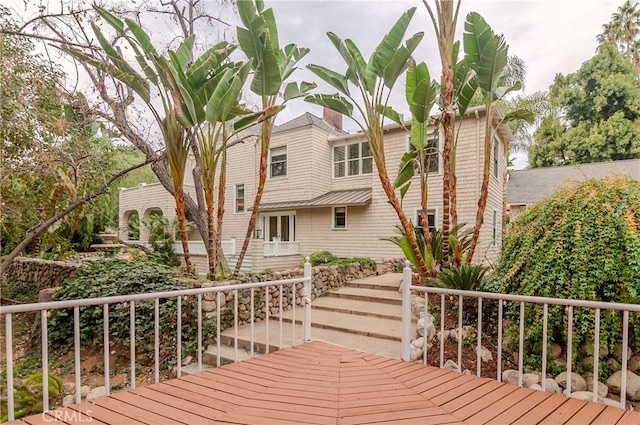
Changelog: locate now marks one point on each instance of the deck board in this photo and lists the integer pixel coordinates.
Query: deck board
(323, 384)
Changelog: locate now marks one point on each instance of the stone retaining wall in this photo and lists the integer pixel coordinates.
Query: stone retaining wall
(37, 273)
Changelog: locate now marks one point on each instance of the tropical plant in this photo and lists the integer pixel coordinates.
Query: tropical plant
(27, 395)
(466, 277)
(486, 55)
(622, 31)
(373, 80)
(272, 66)
(161, 239)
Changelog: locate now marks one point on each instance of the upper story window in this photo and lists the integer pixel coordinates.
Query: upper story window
(352, 159)
(278, 162)
(239, 198)
(496, 150)
(432, 154)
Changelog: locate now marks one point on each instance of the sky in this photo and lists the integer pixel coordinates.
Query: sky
(550, 36)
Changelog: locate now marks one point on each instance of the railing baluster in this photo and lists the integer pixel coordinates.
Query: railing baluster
(107, 349)
(252, 325)
(219, 311)
(267, 295)
(199, 332)
(521, 345)
(132, 345)
(156, 339)
(625, 348)
(45, 360)
(425, 346)
(545, 321)
(569, 349)
(179, 337)
(499, 355)
(76, 351)
(442, 312)
(293, 321)
(596, 357)
(235, 326)
(460, 308)
(479, 338)
(8, 325)
(281, 312)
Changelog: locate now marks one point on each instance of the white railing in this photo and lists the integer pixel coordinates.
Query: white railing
(200, 248)
(280, 248)
(502, 299)
(7, 313)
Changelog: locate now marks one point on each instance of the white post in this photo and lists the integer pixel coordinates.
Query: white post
(406, 313)
(306, 325)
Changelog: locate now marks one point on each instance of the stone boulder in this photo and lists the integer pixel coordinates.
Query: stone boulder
(96, 393)
(485, 354)
(510, 376)
(633, 384)
(450, 365)
(577, 382)
(603, 390)
(586, 396)
(552, 386)
(425, 326)
(634, 364)
(528, 379)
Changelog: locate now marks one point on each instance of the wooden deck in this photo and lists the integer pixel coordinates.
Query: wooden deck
(319, 383)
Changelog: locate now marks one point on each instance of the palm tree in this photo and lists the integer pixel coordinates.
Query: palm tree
(444, 23)
(272, 66)
(622, 31)
(373, 80)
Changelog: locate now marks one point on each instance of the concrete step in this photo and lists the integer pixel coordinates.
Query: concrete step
(227, 354)
(388, 282)
(370, 295)
(369, 326)
(357, 307)
(193, 368)
(380, 346)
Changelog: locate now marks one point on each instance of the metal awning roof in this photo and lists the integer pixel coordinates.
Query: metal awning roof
(341, 198)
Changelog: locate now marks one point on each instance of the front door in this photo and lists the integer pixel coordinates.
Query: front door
(279, 226)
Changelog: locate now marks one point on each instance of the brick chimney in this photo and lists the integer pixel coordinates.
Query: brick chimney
(333, 118)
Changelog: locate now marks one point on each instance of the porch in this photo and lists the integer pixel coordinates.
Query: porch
(321, 383)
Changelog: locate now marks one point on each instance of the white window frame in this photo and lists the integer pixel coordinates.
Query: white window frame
(264, 222)
(346, 159)
(333, 218)
(430, 211)
(236, 198)
(494, 234)
(410, 148)
(286, 161)
(496, 152)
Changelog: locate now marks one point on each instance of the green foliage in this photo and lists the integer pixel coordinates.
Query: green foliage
(466, 277)
(161, 240)
(325, 258)
(112, 277)
(601, 122)
(581, 243)
(27, 395)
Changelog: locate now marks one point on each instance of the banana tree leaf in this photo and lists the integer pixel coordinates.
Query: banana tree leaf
(488, 52)
(210, 61)
(269, 22)
(332, 101)
(420, 91)
(141, 36)
(189, 112)
(247, 11)
(292, 91)
(137, 84)
(216, 108)
(185, 51)
(335, 79)
(406, 170)
(403, 191)
(360, 66)
(520, 114)
(465, 84)
(352, 57)
(419, 134)
(383, 54)
(111, 19)
(390, 113)
(407, 250)
(119, 62)
(502, 91)
(292, 56)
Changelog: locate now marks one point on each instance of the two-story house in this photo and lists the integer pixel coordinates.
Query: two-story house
(323, 193)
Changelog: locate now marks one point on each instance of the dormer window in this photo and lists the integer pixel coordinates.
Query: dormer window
(352, 159)
(278, 162)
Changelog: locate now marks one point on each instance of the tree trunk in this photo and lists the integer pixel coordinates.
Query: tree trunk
(265, 138)
(182, 222)
(222, 185)
(211, 239)
(447, 129)
(484, 190)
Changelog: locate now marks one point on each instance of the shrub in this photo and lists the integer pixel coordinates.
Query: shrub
(111, 277)
(325, 258)
(581, 243)
(27, 396)
(466, 278)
